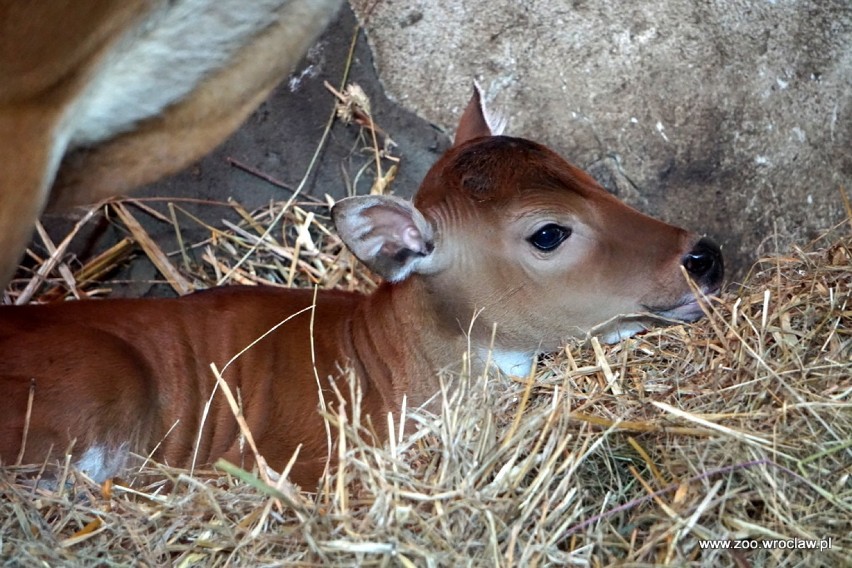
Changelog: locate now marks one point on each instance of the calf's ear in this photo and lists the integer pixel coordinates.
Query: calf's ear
(478, 120)
(386, 233)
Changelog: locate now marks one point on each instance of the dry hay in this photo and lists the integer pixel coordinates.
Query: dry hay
(737, 427)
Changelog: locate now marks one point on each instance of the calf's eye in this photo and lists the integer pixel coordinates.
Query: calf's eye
(548, 237)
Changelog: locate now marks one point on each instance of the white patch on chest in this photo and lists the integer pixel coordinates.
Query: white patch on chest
(162, 61)
(512, 363)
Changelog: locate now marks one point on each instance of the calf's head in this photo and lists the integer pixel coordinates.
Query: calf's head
(504, 229)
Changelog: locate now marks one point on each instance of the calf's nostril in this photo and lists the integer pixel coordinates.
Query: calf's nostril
(698, 263)
(704, 261)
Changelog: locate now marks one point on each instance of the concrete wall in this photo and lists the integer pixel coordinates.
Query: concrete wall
(731, 118)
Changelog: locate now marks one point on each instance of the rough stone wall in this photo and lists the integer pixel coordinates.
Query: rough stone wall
(728, 117)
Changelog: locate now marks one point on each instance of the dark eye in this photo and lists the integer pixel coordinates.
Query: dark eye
(549, 237)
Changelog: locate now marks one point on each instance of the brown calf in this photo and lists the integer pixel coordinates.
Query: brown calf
(502, 233)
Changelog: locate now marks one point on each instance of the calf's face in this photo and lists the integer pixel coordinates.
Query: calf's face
(507, 235)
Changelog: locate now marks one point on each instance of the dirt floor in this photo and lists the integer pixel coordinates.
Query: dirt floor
(278, 141)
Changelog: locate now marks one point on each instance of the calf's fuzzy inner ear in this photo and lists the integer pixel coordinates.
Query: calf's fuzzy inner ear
(386, 233)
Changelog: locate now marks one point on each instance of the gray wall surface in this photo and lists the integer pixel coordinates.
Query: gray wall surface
(730, 118)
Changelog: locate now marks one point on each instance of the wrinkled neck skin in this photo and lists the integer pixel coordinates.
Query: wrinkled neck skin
(403, 338)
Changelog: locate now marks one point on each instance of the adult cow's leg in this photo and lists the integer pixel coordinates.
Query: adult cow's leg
(30, 156)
